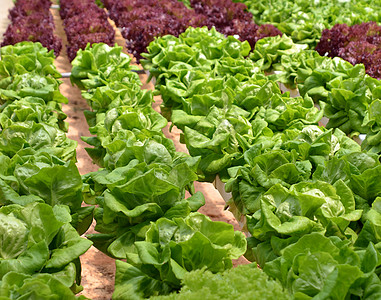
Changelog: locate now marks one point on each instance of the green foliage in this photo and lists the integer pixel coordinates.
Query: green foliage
(40, 186)
(33, 109)
(142, 214)
(304, 20)
(171, 249)
(198, 48)
(96, 65)
(37, 238)
(39, 286)
(320, 267)
(219, 98)
(349, 96)
(242, 282)
(27, 57)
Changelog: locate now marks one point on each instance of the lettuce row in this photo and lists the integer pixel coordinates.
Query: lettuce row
(289, 178)
(304, 20)
(84, 22)
(351, 97)
(40, 186)
(37, 157)
(32, 21)
(220, 100)
(345, 184)
(142, 214)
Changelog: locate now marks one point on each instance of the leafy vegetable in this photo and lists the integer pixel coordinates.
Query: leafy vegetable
(173, 248)
(316, 266)
(347, 91)
(39, 239)
(244, 281)
(304, 21)
(32, 21)
(33, 109)
(40, 186)
(42, 286)
(356, 44)
(29, 84)
(200, 47)
(84, 23)
(95, 65)
(220, 103)
(141, 188)
(27, 57)
(40, 137)
(34, 147)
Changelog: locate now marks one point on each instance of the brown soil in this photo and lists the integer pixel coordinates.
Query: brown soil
(98, 269)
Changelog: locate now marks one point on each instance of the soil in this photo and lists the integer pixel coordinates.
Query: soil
(98, 269)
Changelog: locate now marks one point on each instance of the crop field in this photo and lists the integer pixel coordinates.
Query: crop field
(189, 149)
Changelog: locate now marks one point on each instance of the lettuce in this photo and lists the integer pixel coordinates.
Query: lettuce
(349, 95)
(244, 281)
(126, 118)
(37, 159)
(27, 57)
(40, 286)
(32, 21)
(171, 249)
(40, 137)
(269, 52)
(220, 110)
(96, 64)
(124, 204)
(30, 84)
(40, 186)
(320, 267)
(115, 94)
(38, 238)
(33, 109)
(143, 177)
(303, 208)
(316, 181)
(295, 183)
(197, 47)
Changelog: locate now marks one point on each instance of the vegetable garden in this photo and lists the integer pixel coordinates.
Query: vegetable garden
(307, 195)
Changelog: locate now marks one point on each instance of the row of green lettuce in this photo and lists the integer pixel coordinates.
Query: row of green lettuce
(41, 218)
(221, 100)
(143, 215)
(310, 195)
(305, 20)
(352, 98)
